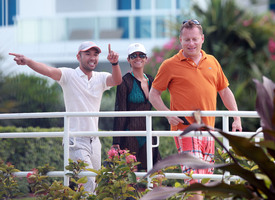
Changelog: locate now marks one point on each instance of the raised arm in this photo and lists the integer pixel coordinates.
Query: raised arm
(158, 104)
(229, 102)
(40, 68)
(115, 78)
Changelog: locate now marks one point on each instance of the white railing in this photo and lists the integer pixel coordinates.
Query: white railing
(148, 133)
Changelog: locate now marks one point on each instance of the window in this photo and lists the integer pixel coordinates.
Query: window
(8, 11)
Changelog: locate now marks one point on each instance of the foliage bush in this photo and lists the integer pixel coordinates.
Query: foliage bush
(8, 185)
(116, 179)
(29, 93)
(28, 153)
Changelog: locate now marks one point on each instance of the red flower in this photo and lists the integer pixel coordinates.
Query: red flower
(271, 48)
(122, 152)
(271, 45)
(31, 175)
(112, 153)
(131, 159)
(247, 22)
(30, 178)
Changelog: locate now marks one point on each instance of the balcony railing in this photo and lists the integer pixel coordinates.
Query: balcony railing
(225, 115)
(96, 25)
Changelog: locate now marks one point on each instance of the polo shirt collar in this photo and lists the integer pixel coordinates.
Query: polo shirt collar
(182, 57)
(80, 72)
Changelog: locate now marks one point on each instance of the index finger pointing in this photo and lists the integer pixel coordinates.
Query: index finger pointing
(13, 54)
(109, 47)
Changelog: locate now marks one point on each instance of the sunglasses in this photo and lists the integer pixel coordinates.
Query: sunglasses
(135, 55)
(192, 20)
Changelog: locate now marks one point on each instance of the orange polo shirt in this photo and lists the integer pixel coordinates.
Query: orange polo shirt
(191, 86)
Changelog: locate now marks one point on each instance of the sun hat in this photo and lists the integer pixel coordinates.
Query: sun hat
(136, 47)
(84, 46)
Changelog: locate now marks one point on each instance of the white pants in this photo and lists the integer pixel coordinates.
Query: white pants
(89, 151)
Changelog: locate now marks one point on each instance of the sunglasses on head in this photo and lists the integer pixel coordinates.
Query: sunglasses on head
(192, 20)
(135, 55)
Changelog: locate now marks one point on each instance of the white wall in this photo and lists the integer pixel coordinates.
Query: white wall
(63, 6)
(259, 7)
(36, 8)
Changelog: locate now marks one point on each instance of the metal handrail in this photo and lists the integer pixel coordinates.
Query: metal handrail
(148, 133)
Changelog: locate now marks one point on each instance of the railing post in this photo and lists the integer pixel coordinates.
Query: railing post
(149, 145)
(66, 142)
(225, 128)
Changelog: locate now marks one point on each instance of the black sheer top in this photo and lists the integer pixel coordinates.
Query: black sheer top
(130, 97)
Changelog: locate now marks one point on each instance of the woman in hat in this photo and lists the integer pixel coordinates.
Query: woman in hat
(132, 95)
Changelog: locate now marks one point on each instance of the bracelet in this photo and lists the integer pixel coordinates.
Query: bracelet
(114, 64)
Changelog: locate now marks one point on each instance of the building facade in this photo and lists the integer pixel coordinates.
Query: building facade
(50, 31)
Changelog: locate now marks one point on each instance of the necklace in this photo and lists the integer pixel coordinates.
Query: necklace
(144, 77)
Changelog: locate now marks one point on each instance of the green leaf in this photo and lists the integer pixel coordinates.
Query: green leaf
(132, 177)
(182, 159)
(3, 169)
(223, 188)
(256, 154)
(205, 180)
(249, 176)
(93, 170)
(83, 179)
(161, 193)
(267, 144)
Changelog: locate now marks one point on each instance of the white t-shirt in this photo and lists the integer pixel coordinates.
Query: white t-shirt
(83, 95)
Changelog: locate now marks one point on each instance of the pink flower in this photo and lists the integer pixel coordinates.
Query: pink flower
(170, 45)
(30, 178)
(31, 175)
(271, 45)
(159, 59)
(122, 152)
(80, 186)
(131, 159)
(35, 171)
(112, 153)
(271, 48)
(247, 22)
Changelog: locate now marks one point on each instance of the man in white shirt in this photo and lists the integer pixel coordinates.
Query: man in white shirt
(82, 90)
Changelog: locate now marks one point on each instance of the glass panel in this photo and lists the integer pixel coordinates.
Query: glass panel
(108, 28)
(163, 4)
(1, 13)
(28, 30)
(183, 4)
(12, 11)
(123, 23)
(124, 4)
(80, 28)
(143, 27)
(160, 28)
(144, 4)
(41, 31)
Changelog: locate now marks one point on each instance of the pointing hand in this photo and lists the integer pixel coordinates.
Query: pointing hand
(112, 56)
(19, 59)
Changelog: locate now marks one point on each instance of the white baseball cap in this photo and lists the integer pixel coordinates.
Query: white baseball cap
(84, 46)
(136, 47)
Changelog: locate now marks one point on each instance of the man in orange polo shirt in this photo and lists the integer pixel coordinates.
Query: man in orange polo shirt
(193, 79)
